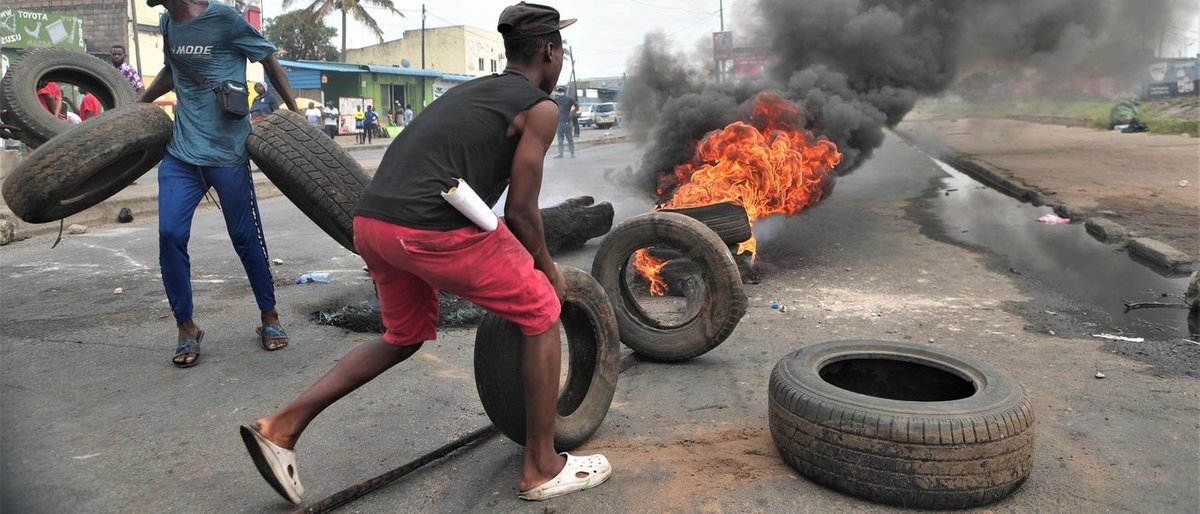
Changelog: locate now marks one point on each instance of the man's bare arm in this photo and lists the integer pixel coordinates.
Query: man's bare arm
(279, 79)
(163, 82)
(521, 208)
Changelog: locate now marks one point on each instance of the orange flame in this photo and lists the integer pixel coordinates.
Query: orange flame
(650, 267)
(768, 164)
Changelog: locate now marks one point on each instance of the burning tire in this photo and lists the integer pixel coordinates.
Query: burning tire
(311, 170)
(594, 351)
(720, 300)
(901, 424)
(728, 220)
(18, 90)
(95, 161)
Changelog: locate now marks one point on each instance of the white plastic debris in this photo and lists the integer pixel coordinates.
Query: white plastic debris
(1052, 219)
(1183, 183)
(1115, 337)
(118, 291)
(276, 261)
(1099, 375)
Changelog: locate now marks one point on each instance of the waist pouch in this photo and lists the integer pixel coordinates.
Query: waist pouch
(233, 98)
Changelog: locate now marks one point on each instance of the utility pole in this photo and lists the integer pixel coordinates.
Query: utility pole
(574, 84)
(423, 99)
(137, 44)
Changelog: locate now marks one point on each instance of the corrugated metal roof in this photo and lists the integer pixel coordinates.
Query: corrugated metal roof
(348, 67)
(396, 70)
(457, 78)
(319, 66)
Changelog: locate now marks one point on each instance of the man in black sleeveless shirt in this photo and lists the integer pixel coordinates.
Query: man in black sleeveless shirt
(493, 133)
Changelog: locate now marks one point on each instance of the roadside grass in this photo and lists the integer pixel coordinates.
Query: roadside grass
(1179, 116)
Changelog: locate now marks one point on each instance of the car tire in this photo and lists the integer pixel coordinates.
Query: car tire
(18, 90)
(915, 426)
(311, 170)
(94, 161)
(728, 220)
(594, 353)
(722, 301)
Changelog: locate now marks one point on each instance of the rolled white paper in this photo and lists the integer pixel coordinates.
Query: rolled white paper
(464, 199)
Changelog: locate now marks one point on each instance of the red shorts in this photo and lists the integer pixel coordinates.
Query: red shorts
(490, 269)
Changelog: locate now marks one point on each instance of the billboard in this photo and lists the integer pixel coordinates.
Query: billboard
(722, 45)
(750, 62)
(1175, 77)
(20, 28)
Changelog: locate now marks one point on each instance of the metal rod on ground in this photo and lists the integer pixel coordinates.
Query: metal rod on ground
(362, 488)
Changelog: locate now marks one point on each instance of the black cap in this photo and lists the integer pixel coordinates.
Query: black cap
(528, 20)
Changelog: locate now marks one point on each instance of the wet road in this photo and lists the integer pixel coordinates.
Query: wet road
(96, 420)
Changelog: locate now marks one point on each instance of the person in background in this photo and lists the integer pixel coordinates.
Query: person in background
(408, 114)
(89, 106)
(565, 106)
(120, 60)
(50, 96)
(575, 112)
(208, 150)
(313, 114)
(331, 114)
(73, 118)
(359, 116)
(370, 123)
(264, 103)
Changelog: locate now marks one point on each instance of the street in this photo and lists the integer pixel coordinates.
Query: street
(96, 419)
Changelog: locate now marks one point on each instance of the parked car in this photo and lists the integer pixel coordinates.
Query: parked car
(607, 115)
(587, 116)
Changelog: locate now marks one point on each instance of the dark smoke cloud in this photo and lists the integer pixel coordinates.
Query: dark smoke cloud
(858, 66)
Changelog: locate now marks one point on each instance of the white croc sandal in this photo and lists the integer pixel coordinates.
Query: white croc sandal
(596, 470)
(277, 465)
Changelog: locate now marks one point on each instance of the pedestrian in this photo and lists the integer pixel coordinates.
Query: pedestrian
(370, 123)
(264, 103)
(359, 116)
(313, 114)
(73, 118)
(89, 106)
(210, 40)
(565, 106)
(331, 114)
(408, 114)
(120, 60)
(415, 243)
(51, 97)
(575, 112)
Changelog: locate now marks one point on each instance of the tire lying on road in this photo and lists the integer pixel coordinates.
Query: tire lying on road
(311, 170)
(728, 220)
(721, 302)
(594, 351)
(89, 164)
(18, 89)
(901, 424)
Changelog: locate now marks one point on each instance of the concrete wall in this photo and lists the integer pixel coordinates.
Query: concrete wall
(454, 50)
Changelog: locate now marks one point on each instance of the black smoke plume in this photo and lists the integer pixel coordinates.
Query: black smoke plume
(857, 67)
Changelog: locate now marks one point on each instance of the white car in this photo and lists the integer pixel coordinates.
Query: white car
(587, 116)
(607, 115)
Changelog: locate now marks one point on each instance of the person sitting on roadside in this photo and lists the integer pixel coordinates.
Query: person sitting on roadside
(264, 103)
(492, 132)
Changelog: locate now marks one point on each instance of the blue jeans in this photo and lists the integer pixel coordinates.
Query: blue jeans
(566, 131)
(181, 186)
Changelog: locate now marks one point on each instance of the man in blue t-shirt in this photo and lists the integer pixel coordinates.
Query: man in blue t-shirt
(371, 122)
(206, 150)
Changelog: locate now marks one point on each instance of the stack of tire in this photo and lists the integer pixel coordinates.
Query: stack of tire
(76, 167)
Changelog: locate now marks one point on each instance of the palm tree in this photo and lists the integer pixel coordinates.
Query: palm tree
(322, 8)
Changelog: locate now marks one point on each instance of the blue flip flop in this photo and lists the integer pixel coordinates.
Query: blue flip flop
(190, 345)
(272, 333)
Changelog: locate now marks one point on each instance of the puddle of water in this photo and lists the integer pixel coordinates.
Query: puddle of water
(1063, 257)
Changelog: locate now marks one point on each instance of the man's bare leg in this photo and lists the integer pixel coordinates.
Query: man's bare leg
(365, 362)
(539, 370)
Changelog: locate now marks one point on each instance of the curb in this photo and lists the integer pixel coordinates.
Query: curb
(1161, 255)
(105, 212)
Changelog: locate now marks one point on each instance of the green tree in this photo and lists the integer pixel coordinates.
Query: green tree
(299, 36)
(357, 9)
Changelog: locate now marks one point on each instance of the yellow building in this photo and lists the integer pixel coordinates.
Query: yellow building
(460, 50)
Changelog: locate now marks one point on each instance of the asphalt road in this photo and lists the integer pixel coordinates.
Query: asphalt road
(95, 419)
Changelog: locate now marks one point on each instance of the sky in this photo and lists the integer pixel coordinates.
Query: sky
(606, 34)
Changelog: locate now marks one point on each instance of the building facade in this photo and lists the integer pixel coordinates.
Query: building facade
(459, 50)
